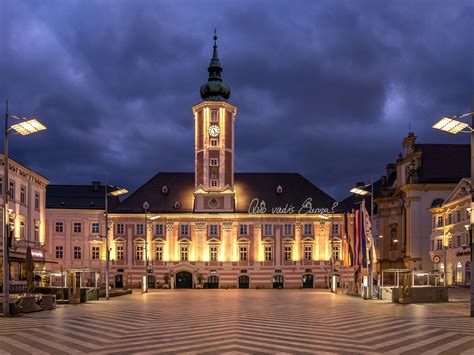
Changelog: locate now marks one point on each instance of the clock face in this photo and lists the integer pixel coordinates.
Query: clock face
(214, 131)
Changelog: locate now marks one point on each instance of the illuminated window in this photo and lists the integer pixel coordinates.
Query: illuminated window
(95, 253)
(287, 229)
(439, 244)
(77, 252)
(450, 242)
(139, 251)
(120, 253)
(36, 232)
(159, 253)
(214, 162)
(335, 229)
(77, 227)
(159, 229)
(336, 252)
(308, 252)
(308, 229)
(243, 229)
(59, 227)
(184, 253)
(59, 252)
(213, 253)
(268, 253)
(214, 142)
(459, 272)
(120, 228)
(243, 253)
(140, 229)
(37, 201)
(184, 229)
(440, 221)
(267, 229)
(214, 116)
(213, 230)
(288, 252)
(23, 194)
(214, 183)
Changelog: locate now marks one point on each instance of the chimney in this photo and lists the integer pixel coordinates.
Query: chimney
(95, 185)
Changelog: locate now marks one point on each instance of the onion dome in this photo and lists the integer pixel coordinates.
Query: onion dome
(215, 89)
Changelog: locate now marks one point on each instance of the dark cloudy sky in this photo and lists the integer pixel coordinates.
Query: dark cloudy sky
(324, 88)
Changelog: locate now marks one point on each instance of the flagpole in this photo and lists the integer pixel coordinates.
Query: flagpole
(371, 269)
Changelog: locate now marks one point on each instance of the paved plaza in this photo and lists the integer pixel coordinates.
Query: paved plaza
(242, 321)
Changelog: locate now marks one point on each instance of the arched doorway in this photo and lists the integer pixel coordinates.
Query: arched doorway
(151, 281)
(244, 281)
(459, 273)
(308, 281)
(118, 281)
(277, 281)
(184, 279)
(213, 281)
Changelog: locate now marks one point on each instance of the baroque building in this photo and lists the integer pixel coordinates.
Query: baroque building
(212, 227)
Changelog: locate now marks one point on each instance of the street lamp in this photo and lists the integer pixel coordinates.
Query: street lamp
(115, 192)
(360, 190)
(24, 127)
(454, 126)
(146, 207)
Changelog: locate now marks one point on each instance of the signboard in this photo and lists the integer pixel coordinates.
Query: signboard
(258, 206)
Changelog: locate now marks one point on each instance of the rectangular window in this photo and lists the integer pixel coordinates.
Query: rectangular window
(36, 232)
(139, 249)
(214, 183)
(23, 195)
(213, 230)
(267, 229)
(159, 230)
(213, 253)
(184, 252)
(268, 253)
(12, 190)
(77, 227)
(243, 229)
(214, 162)
(95, 228)
(450, 218)
(59, 227)
(458, 215)
(335, 229)
(308, 229)
(77, 253)
(336, 252)
(159, 253)
(308, 252)
(432, 244)
(184, 229)
(22, 230)
(243, 253)
(214, 142)
(450, 242)
(458, 241)
(120, 228)
(37, 201)
(440, 221)
(439, 244)
(288, 252)
(140, 229)
(214, 116)
(95, 253)
(287, 229)
(120, 253)
(59, 252)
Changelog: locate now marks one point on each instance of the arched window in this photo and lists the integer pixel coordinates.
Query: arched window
(459, 272)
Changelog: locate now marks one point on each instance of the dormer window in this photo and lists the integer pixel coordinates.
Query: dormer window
(177, 205)
(279, 189)
(164, 189)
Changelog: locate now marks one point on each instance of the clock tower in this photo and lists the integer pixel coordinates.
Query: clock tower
(214, 144)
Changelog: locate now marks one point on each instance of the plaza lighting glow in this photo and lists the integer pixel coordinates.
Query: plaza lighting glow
(28, 127)
(118, 192)
(450, 125)
(359, 191)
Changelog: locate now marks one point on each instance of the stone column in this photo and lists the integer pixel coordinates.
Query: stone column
(277, 247)
(297, 246)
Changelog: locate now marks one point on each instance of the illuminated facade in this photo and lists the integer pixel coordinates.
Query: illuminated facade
(449, 248)
(210, 228)
(27, 218)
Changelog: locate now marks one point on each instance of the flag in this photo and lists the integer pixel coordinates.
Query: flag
(349, 256)
(356, 237)
(363, 236)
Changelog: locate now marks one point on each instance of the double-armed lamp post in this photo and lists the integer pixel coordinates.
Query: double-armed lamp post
(24, 127)
(454, 125)
(116, 191)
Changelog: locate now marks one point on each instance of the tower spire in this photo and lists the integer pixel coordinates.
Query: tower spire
(215, 89)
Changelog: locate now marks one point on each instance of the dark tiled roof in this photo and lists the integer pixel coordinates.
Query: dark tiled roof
(78, 197)
(444, 163)
(296, 189)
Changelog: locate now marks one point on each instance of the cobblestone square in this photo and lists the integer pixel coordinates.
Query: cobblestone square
(243, 321)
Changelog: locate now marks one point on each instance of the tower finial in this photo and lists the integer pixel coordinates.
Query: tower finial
(215, 37)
